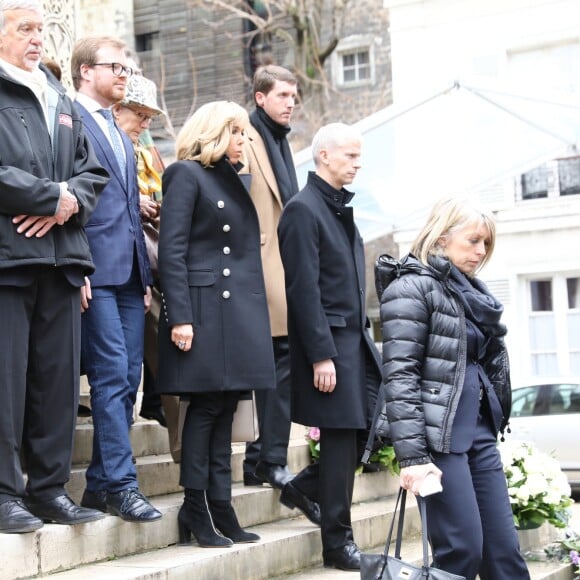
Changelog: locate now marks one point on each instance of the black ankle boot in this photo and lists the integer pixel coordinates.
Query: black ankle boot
(195, 518)
(226, 522)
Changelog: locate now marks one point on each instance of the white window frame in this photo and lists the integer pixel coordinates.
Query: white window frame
(560, 312)
(553, 182)
(353, 44)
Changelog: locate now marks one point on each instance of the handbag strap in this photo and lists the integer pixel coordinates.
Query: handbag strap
(391, 527)
(402, 499)
(401, 523)
(424, 536)
(372, 431)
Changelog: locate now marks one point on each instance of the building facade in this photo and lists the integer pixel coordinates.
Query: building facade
(536, 267)
(198, 54)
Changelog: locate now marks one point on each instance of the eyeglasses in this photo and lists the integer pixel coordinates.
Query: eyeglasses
(143, 117)
(117, 68)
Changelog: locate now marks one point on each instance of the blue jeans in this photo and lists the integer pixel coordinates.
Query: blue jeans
(112, 356)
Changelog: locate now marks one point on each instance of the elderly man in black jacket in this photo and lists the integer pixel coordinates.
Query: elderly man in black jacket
(335, 367)
(49, 181)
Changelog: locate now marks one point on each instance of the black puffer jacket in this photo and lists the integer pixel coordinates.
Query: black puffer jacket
(424, 356)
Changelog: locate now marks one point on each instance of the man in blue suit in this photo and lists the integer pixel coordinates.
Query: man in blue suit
(113, 323)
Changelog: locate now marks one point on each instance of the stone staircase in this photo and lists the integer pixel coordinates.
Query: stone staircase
(111, 549)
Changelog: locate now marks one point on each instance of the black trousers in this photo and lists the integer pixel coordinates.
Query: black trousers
(39, 383)
(330, 482)
(206, 444)
(273, 414)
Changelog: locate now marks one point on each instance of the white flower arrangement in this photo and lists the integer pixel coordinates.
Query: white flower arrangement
(538, 489)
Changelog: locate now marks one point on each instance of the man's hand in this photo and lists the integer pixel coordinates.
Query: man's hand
(34, 225)
(39, 226)
(68, 206)
(324, 375)
(147, 207)
(86, 294)
(147, 299)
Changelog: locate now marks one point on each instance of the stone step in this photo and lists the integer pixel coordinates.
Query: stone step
(412, 553)
(159, 475)
(532, 544)
(147, 438)
(286, 546)
(55, 547)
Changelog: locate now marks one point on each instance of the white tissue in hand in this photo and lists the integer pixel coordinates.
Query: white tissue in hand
(431, 484)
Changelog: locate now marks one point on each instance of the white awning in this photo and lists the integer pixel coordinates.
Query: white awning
(455, 141)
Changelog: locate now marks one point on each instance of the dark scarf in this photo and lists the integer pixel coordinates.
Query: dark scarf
(479, 305)
(274, 136)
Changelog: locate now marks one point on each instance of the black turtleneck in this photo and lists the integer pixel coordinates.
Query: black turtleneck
(339, 197)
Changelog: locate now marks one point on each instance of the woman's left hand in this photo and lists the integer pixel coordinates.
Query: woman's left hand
(182, 336)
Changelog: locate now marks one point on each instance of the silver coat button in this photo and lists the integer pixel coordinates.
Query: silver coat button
(226, 250)
(226, 294)
(226, 228)
(221, 204)
(226, 272)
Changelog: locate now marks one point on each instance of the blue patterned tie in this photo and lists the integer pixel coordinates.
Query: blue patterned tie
(116, 139)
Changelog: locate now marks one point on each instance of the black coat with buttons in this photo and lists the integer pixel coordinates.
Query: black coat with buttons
(324, 268)
(210, 272)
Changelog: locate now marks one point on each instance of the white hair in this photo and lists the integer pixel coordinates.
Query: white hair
(34, 5)
(333, 135)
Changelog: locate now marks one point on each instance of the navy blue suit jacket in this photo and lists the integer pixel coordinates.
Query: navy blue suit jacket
(114, 229)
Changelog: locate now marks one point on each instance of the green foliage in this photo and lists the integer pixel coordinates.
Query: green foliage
(314, 449)
(566, 550)
(384, 457)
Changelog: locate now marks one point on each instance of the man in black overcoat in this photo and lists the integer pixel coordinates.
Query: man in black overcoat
(335, 367)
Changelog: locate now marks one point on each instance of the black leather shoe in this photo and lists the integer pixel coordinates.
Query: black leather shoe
(345, 558)
(95, 500)
(155, 414)
(83, 411)
(276, 475)
(62, 510)
(16, 519)
(132, 506)
(292, 498)
(252, 480)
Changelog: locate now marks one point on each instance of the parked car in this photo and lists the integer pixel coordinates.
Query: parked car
(546, 411)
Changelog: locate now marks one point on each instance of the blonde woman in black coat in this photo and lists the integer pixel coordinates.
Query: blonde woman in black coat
(214, 333)
(447, 388)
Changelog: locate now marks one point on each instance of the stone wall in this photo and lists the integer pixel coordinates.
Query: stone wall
(67, 20)
(105, 17)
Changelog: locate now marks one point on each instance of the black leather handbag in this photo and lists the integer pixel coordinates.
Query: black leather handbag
(385, 567)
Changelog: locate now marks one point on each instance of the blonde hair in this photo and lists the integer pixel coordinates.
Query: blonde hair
(447, 216)
(205, 136)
